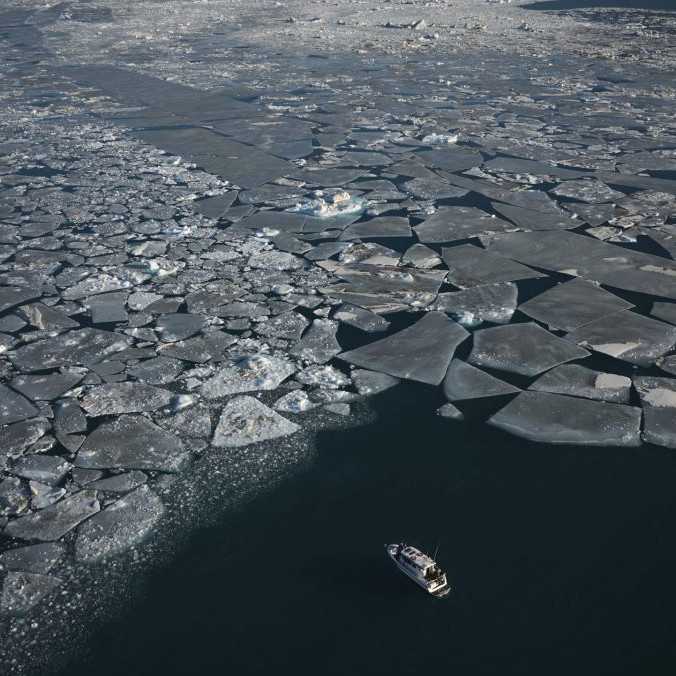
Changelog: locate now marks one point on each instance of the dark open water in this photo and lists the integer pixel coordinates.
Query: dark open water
(563, 561)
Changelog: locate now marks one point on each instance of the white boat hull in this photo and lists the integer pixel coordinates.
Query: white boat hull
(437, 588)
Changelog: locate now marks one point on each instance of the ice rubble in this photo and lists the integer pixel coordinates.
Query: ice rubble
(204, 250)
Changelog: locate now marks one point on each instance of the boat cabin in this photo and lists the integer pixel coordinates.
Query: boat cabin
(420, 563)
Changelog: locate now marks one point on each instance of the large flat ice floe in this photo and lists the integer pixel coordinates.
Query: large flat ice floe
(527, 349)
(248, 374)
(559, 419)
(573, 304)
(119, 526)
(132, 442)
(658, 398)
(421, 352)
(494, 303)
(627, 336)
(470, 266)
(245, 420)
(464, 381)
(580, 381)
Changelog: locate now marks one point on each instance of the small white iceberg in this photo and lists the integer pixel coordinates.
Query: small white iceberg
(330, 206)
(440, 139)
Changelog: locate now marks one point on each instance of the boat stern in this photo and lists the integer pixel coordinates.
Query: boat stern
(439, 588)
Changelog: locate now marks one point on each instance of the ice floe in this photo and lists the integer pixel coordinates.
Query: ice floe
(559, 419)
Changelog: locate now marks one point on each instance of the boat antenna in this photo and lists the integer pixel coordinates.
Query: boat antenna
(436, 551)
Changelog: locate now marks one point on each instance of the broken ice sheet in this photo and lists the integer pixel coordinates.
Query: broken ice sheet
(579, 381)
(116, 398)
(157, 371)
(245, 420)
(275, 260)
(34, 558)
(45, 387)
(289, 325)
(119, 526)
(14, 406)
(82, 346)
(178, 326)
(43, 495)
(248, 374)
(360, 318)
(369, 383)
(494, 303)
(290, 244)
(365, 159)
(322, 376)
(667, 364)
(379, 228)
(470, 266)
(385, 288)
(53, 522)
(449, 224)
(329, 177)
(450, 159)
(318, 345)
(464, 381)
(516, 165)
(526, 349)
(12, 296)
(420, 256)
(664, 311)
(530, 219)
(658, 398)
(199, 349)
(108, 308)
(450, 412)
(605, 233)
(582, 256)
(591, 191)
(216, 205)
(627, 336)
(326, 250)
(48, 469)
(273, 221)
(433, 188)
(131, 442)
(420, 352)
(194, 421)
(558, 250)
(17, 437)
(119, 483)
(11, 323)
(529, 199)
(271, 194)
(21, 591)
(557, 419)
(6, 342)
(97, 284)
(369, 253)
(294, 402)
(378, 190)
(13, 497)
(592, 214)
(572, 304)
(339, 408)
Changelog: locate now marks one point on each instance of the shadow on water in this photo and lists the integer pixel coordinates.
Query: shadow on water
(659, 5)
(562, 561)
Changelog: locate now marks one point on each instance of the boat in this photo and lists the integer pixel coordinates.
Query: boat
(422, 569)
